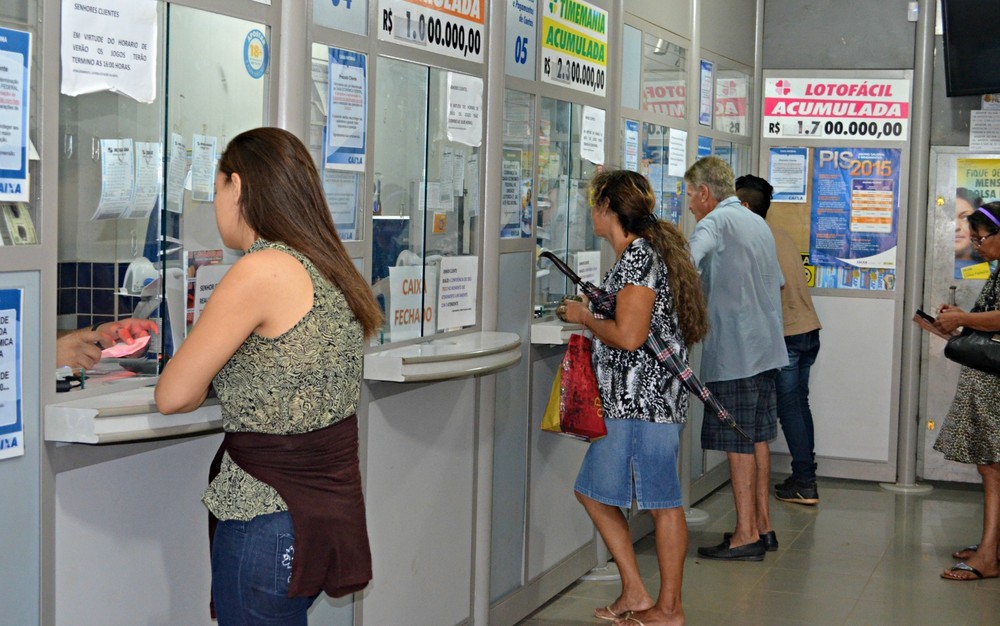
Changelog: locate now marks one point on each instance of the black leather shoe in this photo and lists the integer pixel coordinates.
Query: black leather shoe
(770, 540)
(749, 552)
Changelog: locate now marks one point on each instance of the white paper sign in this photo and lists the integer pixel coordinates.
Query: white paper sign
(148, 179)
(588, 267)
(177, 169)
(117, 178)
(457, 291)
(206, 278)
(109, 45)
(203, 168)
(465, 109)
(677, 155)
(411, 301)
(592, 135)
(984, 131)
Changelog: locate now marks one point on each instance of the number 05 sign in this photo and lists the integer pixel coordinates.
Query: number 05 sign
(870, 109)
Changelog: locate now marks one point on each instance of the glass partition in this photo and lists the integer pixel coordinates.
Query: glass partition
(136, 222)
(340, 158)
(669, 190)
(664, 77)
(426, 207)
(731, 98)
(563, 223)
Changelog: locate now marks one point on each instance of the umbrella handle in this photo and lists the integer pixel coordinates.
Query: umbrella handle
(562, 267)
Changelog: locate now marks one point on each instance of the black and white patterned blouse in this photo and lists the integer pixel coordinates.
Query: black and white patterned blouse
(634, 385)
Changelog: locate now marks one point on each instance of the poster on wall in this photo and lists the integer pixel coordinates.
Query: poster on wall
(631, 156)
(510, 194)
(977, 181)
(788, 174)
(853, 216)
(346, 121)
(109, 45)
(454, 29)
(11, 413)
(575, 45)
(706, 91)
(876, 109)
(15, 88)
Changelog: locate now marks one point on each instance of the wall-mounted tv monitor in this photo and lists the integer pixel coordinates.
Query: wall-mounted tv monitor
(971, 49)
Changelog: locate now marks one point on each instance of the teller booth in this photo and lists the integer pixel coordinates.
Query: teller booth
(455, 145)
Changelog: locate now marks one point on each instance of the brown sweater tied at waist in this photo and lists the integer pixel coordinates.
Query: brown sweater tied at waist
(318, 477)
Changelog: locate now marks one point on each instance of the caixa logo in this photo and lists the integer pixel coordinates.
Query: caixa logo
(255, 53)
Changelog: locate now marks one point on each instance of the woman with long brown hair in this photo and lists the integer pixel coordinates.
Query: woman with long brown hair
(281, 340)
(658, 293)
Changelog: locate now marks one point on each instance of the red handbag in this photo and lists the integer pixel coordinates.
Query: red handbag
(580, 413)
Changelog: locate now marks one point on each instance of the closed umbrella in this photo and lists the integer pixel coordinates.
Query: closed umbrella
(604, 305)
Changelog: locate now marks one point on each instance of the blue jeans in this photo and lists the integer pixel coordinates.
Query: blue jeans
(251, 569)
(792, 386)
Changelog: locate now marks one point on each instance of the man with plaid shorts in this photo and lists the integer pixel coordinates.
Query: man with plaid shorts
(734, 251)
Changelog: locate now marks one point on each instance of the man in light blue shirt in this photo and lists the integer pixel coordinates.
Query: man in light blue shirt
(734, 250)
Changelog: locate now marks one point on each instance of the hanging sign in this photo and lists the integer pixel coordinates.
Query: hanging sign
(575, 45)
(465, 109)
(875, 109)
(592, 135)
(11, 420)
(346, 122)
(15, 65)
(522, 19)
(453, 28)
(109, 45)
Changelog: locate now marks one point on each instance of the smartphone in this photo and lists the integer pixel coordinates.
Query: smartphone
(928, 318)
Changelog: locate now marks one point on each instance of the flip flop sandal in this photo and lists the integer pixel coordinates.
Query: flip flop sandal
(629, 621)
(957, 554)
(613, 616)
(964, 567)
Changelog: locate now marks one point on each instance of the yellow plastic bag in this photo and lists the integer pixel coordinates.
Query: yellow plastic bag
(550, 421)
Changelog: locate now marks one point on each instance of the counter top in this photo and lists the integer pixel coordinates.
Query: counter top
(128, 415)
(457, 356)
(553, 332)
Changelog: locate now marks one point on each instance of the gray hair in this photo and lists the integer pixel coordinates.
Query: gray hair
(715, 174)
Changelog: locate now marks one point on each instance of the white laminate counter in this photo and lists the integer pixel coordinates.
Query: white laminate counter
(470, 354)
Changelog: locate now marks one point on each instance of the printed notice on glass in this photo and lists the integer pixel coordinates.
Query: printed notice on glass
(588, 267)
(446, 186)
(117, 179)
(592, 135)
(15, 66)
(206, 278)
(346, 122)
(787, 173)
(148, 179)
(632, 145)
(203, 168)
(341, 190)
(457, 291)
(510, 194)
(177, 169)
(11, 415)
(706, 93)
(465, 109)
(454, 28)
(109, 45)
(677, 152)
(412, 294)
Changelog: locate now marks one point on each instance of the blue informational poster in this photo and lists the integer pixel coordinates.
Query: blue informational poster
(346, 118)
(11, 424)
(787, 174)
(854, 209)
(704, 146)
(15, 63)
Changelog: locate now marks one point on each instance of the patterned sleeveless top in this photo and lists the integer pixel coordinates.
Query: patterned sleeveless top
(307, 378)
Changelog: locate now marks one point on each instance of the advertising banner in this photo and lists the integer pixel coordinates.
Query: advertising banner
(575, 45)
(875, 109)
(454, 28)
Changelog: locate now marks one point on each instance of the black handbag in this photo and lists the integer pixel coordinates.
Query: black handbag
(978, 349)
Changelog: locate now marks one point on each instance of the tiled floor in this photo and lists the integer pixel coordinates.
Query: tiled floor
(863, 556)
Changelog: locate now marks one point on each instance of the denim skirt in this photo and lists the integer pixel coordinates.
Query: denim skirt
(636, 461)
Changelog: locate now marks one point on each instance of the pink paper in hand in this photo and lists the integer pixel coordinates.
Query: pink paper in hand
(122, 349)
